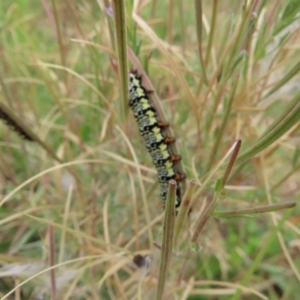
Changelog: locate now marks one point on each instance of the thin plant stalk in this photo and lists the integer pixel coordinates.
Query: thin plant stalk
(212, 31)
(52, 262)
(199, 28)
(253, 210)
(167, 239)
(220, 193)
(222, 126)
(182, 217)
(121, 38)
(60, 41)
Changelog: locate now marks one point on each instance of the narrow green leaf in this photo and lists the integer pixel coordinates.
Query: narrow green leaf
(218, 185)
(280, 129)
(242, 55)
(285, 79)
(247, 212)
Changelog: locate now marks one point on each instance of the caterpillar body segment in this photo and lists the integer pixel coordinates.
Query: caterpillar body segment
(136, 91)
(168, 172)
(148, 119)
(156, 140)
(160, 155)
(140, 108)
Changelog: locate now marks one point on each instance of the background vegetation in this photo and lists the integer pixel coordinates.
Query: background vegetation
(82, 198)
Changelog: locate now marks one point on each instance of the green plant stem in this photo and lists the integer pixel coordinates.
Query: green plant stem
(228, 65)
(207, 214)
(183, 211)
(167, 239)
(60, 41)
(231, 163)
(121, 38)
(52, 261)
(222, 127)
(212, 31)
(153, 8)
(170, 21)
(199, 13)
(253, 210)
(238, 41)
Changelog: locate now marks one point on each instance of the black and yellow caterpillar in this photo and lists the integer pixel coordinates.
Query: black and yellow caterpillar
(152, 130)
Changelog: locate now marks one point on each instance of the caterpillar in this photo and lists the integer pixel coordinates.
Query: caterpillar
(14, 125)
(157, 142)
